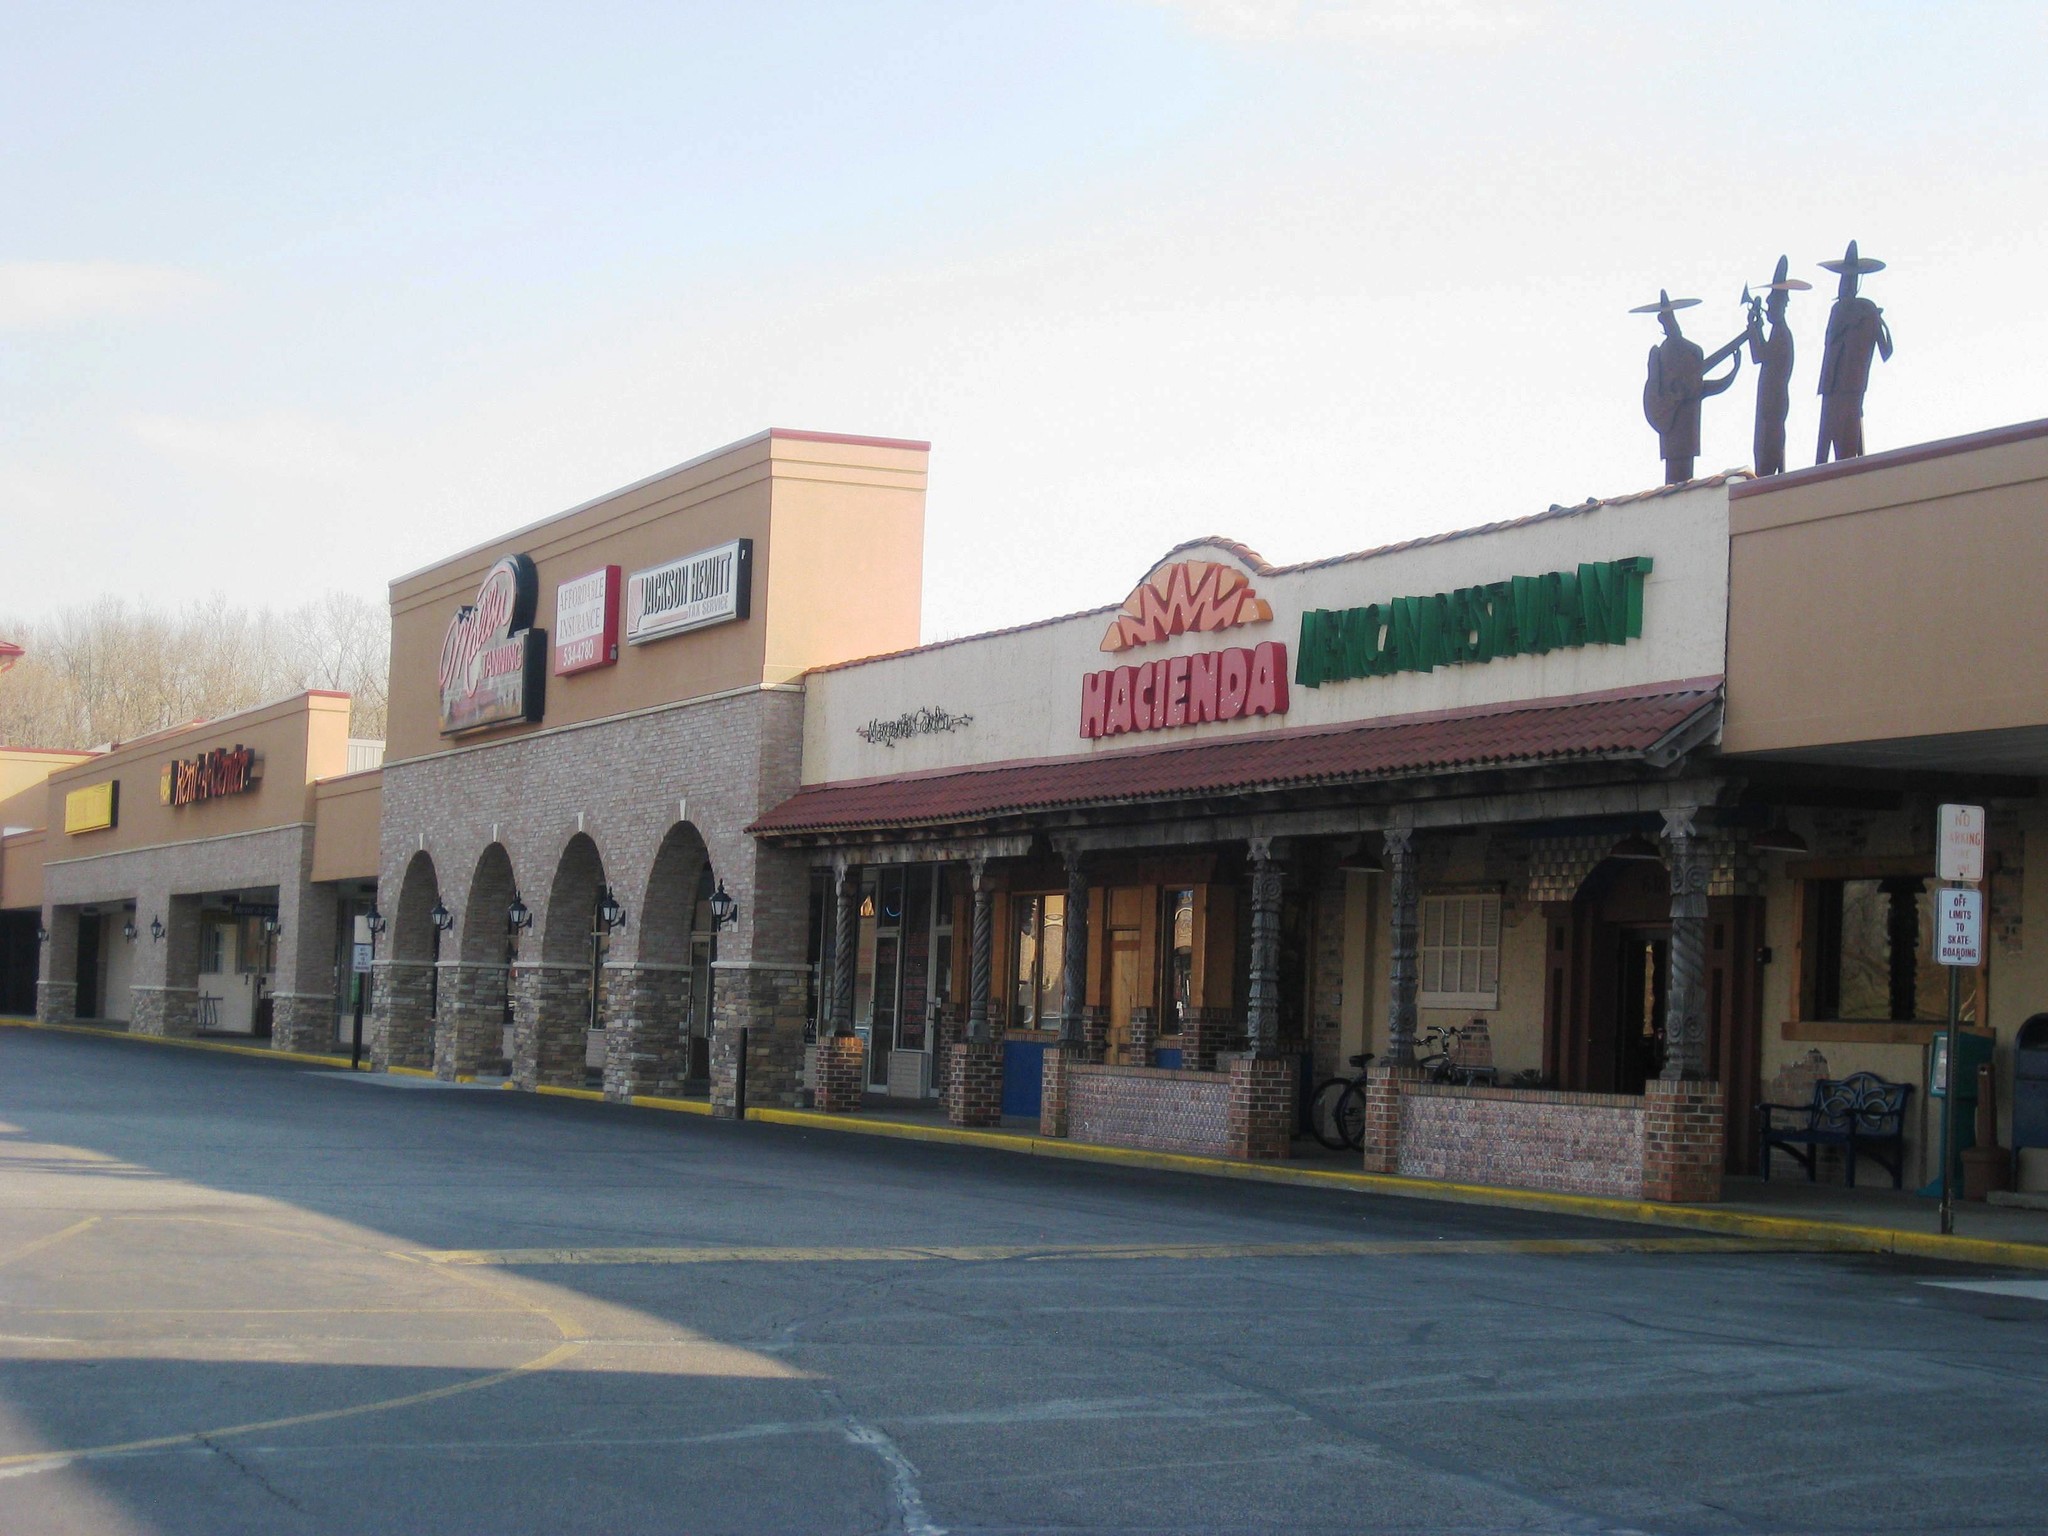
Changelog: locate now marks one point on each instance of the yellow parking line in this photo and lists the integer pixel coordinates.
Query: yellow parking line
(55, 1237)
(984, 1253)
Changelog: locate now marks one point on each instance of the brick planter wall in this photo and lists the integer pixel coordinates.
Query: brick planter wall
(1207, 1031)
(1684, 1126)
(1246, 1112)
(842, 1073)
(1664, 1146)
(974, 1084)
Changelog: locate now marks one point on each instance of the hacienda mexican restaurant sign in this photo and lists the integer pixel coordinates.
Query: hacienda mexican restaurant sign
(1198, 596)
(494, 664)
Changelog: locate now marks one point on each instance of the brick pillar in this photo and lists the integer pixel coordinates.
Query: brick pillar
(645, 1008)
(167, 1004)
(471, 1028)
(768, 1002)
(302, 1021)
(550, 1022)
(57, 973)
(1052, 1101)
(1143, 1032)
(1404, 919)
(399, 1028)
(1684, 1126)
(1383, 1115)
(1094, 1036)
(842, 1073)
(974, 1084)
(1203, 1033)
(1261, 1107)
(302, 1002)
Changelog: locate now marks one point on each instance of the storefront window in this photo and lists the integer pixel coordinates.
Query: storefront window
(1460, 951)
(1040, 934)
(1179, 927)
(1873, 950)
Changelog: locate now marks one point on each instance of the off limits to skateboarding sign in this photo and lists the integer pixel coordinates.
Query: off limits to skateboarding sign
(1959, 926)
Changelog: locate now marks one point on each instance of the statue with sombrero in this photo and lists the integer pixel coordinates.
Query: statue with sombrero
(1677, 384)
(1856, 331)
(1771, 351)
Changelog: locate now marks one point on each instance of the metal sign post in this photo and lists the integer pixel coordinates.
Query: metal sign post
(1958, 942)
(362, 960)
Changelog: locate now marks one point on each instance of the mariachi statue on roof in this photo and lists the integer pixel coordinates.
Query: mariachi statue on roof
(1856, 331)
(1678, 383)
(1770, 348)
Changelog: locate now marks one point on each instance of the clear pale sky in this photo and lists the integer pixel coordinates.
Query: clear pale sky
(305, 296)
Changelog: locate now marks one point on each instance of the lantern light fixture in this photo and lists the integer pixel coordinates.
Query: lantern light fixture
(42, 934)
(518, 915)
(725, 911)
(129, 930)
(374, 921)
(441, 917)
(609, 912)
(156, 930)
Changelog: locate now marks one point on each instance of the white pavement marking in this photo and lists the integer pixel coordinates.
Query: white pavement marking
(2032, 1290)
(902, 1476)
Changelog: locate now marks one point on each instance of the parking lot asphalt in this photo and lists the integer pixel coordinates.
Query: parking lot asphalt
(243, 1296)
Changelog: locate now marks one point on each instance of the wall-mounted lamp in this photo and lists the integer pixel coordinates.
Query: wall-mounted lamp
(272, 927)
(156, 930)
(42, 934)
(609, 912)
(724, 910)
(129, 930)
(374, 921)
(441, 917)
(518, 916)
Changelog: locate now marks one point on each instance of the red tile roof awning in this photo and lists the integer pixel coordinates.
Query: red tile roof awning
(1650, 724)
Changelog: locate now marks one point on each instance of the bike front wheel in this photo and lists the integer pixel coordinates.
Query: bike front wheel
(1323, 1113)
(1350, 1116)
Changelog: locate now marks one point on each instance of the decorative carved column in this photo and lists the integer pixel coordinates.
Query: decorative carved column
(1404, 917)
(845, 943)
(1902, 931)
(1685, 1006)
(1262, 1020)
(981, 966)
(1074, 969)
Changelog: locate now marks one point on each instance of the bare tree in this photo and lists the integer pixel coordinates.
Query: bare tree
(110, 671)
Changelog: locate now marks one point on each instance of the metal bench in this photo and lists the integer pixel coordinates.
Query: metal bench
(1858, 1113)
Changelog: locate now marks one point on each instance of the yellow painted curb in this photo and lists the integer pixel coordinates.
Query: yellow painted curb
(1699, 1218)
(398, 1071)
(679, 1106)
(260, 1052)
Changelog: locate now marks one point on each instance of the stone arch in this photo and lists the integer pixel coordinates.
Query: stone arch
(668, 905)
(491, 889)
(572, 899)
(419, 892)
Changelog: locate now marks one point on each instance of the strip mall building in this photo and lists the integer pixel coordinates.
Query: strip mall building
(673, 801)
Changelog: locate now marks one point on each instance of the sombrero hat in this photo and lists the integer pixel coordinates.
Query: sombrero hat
(1780, 283)
(1851, 262)
(1664, 305)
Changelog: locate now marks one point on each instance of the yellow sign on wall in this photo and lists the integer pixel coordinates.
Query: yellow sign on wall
(92, 809)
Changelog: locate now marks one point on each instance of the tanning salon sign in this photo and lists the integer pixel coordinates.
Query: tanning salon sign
(494, 664)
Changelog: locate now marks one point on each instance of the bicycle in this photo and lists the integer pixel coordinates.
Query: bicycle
(1442, 1063)
(1336, 1110)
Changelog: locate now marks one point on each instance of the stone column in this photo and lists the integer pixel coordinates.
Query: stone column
(302, 1004)
(400, 1026)
(167, 1004)
(550, 1019)
(1074, 961)
(767, 1001)
(1262, 1020)
(1403, 916)
(982, 964)
(845, 943)
(1685, 1004)
(645, 1008)
(470, 1029)
(57, 967)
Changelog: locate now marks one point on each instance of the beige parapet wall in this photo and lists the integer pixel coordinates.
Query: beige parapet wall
(345, 826)
(1891, 598)
(837, 525)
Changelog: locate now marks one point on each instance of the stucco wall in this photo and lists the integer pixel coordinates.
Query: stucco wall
(345, 826)
(1023, 687)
